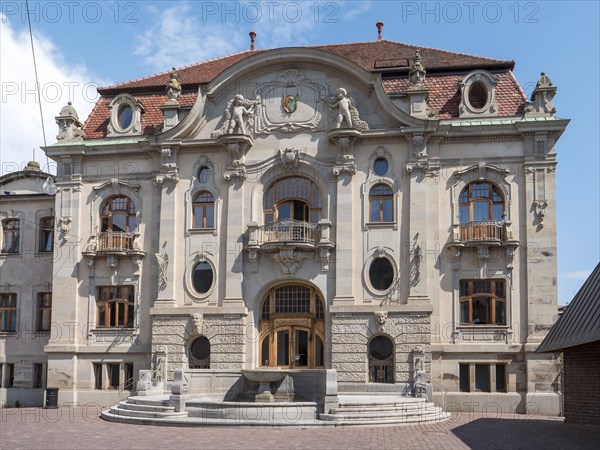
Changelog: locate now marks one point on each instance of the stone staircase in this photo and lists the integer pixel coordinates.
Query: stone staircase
(151, 410)
(368, 408)
(381, 404)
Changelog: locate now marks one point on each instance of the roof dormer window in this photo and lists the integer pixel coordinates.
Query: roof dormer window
(477, 95)
(125, 116)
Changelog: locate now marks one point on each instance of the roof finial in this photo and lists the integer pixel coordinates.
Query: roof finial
(379, 26)
(252, 35)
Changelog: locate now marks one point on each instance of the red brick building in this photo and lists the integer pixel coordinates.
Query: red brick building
(577, 335)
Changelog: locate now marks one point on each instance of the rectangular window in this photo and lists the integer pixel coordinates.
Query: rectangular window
(46, 234)
(8, 313)
(44, 311)
(10, 235)
(9, 375)
(128, 383)
(115, 306)
(482, 378)
(113, 375)
(482, 302)
(97, 367)
(464, 378)
(501, 378)
(39, 375)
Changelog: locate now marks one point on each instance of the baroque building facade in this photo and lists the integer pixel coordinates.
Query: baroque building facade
(372, 208)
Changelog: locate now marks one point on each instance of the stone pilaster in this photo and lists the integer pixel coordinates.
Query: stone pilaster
(170, 223)
(344, 169)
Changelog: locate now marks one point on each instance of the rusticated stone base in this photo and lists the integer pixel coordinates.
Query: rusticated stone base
(351, 333)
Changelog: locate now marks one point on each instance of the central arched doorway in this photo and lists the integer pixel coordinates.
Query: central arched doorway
(381, 360)
(292, 328)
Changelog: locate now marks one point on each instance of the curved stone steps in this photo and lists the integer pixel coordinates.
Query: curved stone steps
(361, 409)
(134, 409)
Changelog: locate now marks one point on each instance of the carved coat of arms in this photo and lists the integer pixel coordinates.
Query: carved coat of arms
(290, 103)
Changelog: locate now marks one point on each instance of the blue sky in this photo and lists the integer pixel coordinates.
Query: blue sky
(83, 44)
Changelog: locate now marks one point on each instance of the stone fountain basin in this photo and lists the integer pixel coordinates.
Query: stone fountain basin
(267, 375)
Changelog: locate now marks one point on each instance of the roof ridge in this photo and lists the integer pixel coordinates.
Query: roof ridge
(414, 46)
(166, 72)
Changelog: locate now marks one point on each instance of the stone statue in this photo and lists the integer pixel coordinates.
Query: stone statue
(159, 368)
(173, 86)
(162, 258)
(346, 111)
(233, 117)
(417, 71)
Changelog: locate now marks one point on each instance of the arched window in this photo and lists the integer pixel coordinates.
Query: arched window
(292, 328)
(118, 214)
(292, 198)
(381, 203)
(200, 353)
(204, 210)
(481, 212)
(10, 235)
(381, 360)
(480, 202)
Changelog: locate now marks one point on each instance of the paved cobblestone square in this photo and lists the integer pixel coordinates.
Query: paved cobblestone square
(82, 428)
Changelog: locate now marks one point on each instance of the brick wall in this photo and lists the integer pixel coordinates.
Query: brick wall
(582, 384)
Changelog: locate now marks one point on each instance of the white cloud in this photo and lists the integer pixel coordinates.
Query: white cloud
(60, 81)
(179, 38)
(579, 275)
(361, 8)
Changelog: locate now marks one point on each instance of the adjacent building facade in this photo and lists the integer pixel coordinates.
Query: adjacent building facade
(374, 208)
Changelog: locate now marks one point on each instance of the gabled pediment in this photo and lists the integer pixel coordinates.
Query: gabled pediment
(291, 91)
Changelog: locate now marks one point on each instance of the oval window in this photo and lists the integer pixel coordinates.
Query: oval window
(381, 274)
(380, 167)
(381, 347)
(478, 95)
(201, 348)
(125, 116)
(203, 277)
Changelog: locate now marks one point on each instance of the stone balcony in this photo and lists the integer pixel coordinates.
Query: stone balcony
(113, 245)
(475, 234)
(287, 237)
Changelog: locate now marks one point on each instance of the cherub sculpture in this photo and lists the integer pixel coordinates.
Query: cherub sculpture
(346, 111)
(233, 117)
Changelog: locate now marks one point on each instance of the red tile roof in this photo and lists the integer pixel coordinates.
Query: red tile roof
(372, 56)
(444, 94)
(392, 59)
(97, 123)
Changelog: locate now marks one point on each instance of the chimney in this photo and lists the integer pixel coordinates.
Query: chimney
(379, 26)
(252, 35)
